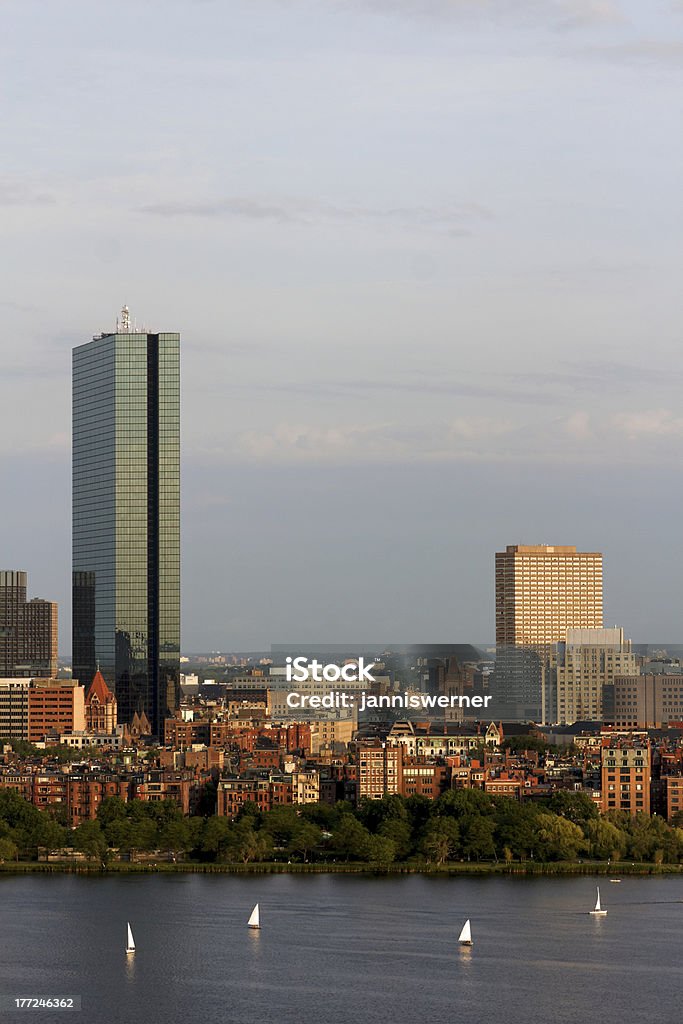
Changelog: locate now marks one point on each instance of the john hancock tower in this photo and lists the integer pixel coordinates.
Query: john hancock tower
(126, 518)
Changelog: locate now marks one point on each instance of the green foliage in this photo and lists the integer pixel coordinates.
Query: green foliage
(557, 839)
(518, 744)
(28, 827)
(89, 839)
(351, 839)
(576, 807)
(605, 840)
(462, 824)
(441, 840)
(8, 850)
(381, 851)
(477, 837)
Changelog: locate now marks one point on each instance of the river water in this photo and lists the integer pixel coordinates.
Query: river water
(337, 949)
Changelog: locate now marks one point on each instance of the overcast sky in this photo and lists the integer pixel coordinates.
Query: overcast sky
(425, 257)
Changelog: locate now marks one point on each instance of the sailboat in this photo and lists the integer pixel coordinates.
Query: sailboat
(598, 912)
(130, 948)
(255, 920)
(465, 937)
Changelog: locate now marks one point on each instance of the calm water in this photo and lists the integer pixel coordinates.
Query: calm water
(334, 950)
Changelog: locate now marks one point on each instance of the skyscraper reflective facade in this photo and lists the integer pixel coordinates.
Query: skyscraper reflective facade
(126, 519)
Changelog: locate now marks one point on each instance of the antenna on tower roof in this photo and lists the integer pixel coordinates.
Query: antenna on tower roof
(123, 321)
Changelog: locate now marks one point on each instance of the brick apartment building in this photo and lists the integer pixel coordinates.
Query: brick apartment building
(626, 775)
(380, 769)
(267, 793)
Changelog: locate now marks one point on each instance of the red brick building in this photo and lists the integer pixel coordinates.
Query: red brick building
(266, 793)
(55, 706)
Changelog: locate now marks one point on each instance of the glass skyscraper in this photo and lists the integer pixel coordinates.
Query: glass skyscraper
(126, 518)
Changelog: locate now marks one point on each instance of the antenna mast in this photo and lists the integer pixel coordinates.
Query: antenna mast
(123, 321)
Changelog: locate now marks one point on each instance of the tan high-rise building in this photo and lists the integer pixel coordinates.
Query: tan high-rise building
(542, 591)
(589, 660)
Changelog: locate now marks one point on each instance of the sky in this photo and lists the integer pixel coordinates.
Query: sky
(425, 259)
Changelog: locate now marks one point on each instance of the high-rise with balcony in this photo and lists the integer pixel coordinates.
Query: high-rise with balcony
(542, 591)
(126, 518)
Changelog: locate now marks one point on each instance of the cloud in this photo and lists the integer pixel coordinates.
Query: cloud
(652, 423)
(460, 438)
(644, 51)
(345, 390)
(599, 378)
(561, 15)
(578, 425)
(22, 193)
(451, 219)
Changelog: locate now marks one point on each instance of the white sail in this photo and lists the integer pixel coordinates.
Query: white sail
(130, 948)
(254, 920)
(466, 934)
(598, 912)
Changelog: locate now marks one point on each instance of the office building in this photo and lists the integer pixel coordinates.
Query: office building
(583, 664)
(644, 701)
(126, 519)
(28, 630)
(55, 706)
(542, 591)
(14, 709)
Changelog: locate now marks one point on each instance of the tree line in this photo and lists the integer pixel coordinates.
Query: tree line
(461, 825)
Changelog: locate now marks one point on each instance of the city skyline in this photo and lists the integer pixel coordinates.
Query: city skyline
(422, 262)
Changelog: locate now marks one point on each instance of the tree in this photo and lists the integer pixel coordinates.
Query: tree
(441, 840)
(420, 809)
(282, 824)
(457, 802)
(381, 851)
(112, 809)
(398, 831)
(605, 840)
(477, 837)
(249, 809)
(557, 838)
(372, 813)
(350, 839)
(323, 815)
(576, 807)
(215, 836)
(8, 850)
(89, 839)
(244, 843)
(206, 804)
(306, 836)
(519, 744)
(515, 827)
(175, 836)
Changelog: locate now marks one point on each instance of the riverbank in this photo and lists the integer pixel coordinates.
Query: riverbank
(525, 868)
